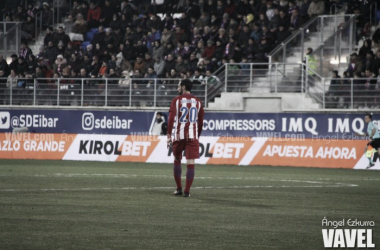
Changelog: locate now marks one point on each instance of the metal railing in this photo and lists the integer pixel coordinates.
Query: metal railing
(313, 33)
(94, 91)
(38, 24)
(276, 78)
(336, 49)
(351, 93)
(10, 37)
(373, 13)
(259, 78)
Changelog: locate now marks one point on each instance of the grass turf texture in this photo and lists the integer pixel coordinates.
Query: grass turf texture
(95, 205)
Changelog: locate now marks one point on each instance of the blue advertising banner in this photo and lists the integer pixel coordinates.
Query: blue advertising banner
(281, 125)
(276, 125)
(76, 121)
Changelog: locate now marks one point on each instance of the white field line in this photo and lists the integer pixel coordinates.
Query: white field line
(315, 184)
(337, 185)
(73, 175)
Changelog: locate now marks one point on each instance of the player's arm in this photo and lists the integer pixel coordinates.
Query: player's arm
(360, 134)
(366, 134)
(200, 120)
(372, 133)
(172, 112)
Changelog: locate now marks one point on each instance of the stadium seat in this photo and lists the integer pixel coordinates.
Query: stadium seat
(94, 30)
(89, 36)
(84, 44)
(377, 17)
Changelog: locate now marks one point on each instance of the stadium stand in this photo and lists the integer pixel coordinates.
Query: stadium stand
(168, 39)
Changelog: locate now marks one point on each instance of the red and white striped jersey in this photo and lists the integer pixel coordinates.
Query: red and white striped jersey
(185, 117)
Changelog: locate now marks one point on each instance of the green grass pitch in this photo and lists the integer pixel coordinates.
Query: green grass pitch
(96, 205)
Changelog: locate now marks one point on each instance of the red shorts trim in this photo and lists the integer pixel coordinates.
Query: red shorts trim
(191, 147)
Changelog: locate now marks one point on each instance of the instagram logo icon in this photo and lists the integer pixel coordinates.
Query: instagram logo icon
(88, 121)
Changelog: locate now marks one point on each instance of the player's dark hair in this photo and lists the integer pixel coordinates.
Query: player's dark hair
(187, 83)
(159, 113)
(369, 116)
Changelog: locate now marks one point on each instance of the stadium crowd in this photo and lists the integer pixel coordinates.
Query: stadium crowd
(123, 40)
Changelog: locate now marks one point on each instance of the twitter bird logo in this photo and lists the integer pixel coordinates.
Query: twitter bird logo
(5, 118)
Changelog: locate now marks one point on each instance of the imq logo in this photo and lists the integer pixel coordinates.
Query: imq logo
(5, 120)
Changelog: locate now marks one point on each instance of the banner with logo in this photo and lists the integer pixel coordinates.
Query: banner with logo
(77, 121)
(270, 125)
(213, 150)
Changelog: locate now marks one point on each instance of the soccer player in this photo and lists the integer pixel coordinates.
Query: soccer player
(186, 117)
(374, 136)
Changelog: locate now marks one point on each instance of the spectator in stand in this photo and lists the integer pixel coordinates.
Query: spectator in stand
(51, 52)
(367, 46)
(376, 63)
(47, 15)
(180, 65)
(209, 51)
(203, 21)
(4, 65)
(25, 51)
(106, 13)
(158, 50)
(59, 64)
(187, 50)
(167, 37)
(74, 62)
(244, 36)
(155, 35)
(149, 62)
(376, 35)
(89, 51)
(140, 49)
(12, 79)
(282, 34)
(95, 66)
(115, 23)
(103, 70)
(295, 20)
(139, 65)
(80, 27)
(317, 7)
(49, 35)
(284, 19)
(180, 35)
(159, 67)
(28, 28)
(169, 63)
(249, 50)
(14, 62)
(69, 51)
(99, 37)
(61, 36)
(193, 62)
(22, 66)
(69, 23)
(368, 61)
(93, 15)
(304, 10)
(355, 65)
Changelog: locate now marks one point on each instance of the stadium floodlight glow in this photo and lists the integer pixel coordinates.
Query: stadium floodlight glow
(336, 61)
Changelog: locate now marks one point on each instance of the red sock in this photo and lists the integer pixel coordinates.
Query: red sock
(189, 177)
(177, 173)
